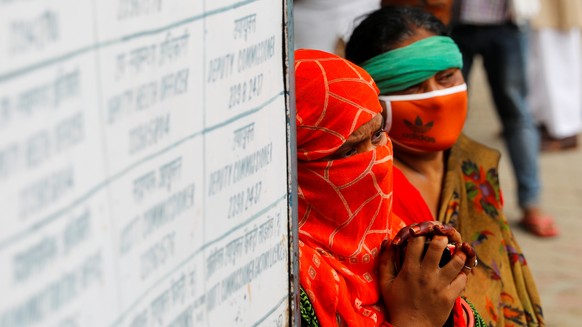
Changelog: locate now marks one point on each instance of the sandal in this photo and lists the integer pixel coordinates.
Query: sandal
(542, 226)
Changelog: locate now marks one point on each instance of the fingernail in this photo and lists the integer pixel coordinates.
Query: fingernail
(396, 240)
(414, 230)
(383, 245)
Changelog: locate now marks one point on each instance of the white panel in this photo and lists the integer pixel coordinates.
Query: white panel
(143, 163)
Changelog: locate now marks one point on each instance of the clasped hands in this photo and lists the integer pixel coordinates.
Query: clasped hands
(422, 293)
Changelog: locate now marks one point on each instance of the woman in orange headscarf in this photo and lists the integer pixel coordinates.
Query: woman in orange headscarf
(345, 195)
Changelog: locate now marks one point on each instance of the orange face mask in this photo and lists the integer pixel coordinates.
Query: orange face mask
(426, 122)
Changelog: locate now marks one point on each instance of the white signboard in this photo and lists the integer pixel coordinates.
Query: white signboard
(143, 163)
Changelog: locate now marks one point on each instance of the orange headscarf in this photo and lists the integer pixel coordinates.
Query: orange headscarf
(344, 204)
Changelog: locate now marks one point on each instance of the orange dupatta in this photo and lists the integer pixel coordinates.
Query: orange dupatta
(344, 205)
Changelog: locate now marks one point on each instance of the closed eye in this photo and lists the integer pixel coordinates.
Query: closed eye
(411, 89)
(447, 77)
(351, 152)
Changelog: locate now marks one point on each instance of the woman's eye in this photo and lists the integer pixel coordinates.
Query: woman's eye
(378, 135)
(446, 76)
(351, 152)
(412, 89)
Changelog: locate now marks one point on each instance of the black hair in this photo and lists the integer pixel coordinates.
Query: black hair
(384, 29)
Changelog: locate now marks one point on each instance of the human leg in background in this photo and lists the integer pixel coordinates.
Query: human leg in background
(555, 75)
(501, 47)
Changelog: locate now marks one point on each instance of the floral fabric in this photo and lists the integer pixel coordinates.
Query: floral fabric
(502, 287)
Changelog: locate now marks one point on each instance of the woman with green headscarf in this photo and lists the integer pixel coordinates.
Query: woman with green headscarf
(417, 69)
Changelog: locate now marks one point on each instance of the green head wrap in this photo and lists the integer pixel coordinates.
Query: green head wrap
(402, 68)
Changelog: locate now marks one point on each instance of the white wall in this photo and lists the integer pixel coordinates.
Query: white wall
(143, 163)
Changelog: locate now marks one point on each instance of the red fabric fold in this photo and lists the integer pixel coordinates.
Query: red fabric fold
(408, 202)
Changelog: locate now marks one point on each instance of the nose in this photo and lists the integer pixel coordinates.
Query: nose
(366, 146)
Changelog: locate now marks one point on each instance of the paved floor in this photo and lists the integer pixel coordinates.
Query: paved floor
(556, 263)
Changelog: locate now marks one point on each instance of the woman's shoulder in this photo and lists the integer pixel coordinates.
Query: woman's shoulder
(468, 148)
